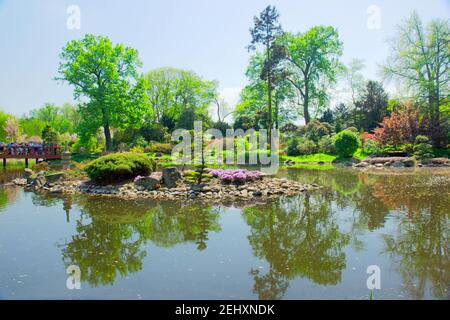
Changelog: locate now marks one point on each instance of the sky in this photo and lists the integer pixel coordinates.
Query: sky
(206, 36)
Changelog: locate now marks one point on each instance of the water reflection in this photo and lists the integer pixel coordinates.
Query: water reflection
(112, 235)
(418, 202)
(312, 236)
(299, 238)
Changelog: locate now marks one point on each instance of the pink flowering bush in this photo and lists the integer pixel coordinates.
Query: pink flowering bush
(235, 175)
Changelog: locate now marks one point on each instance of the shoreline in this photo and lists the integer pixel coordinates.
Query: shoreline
(260, 190)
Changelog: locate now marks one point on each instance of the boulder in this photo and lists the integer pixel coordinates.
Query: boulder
(170, 177)
(147, 183)
(440, 161)
(198, 188)
(409, 163)
(361, 165)
(38, 182)
(398, 164)
(54, 177)
(20, 182)
(27, 173)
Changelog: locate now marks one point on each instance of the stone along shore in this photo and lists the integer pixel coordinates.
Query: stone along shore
(168, 185)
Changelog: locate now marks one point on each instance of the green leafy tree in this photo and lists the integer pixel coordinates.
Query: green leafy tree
(420, 58)
(264, 32)
(49, 135)
(3, 119)
(31, 126)
(312, 65)
(253, 98)
(106, 75)
(63, 119)
(175, 93)
(355, 80)
(372, 106)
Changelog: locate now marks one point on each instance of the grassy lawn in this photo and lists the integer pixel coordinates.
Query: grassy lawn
(311, 166)
(310, 158)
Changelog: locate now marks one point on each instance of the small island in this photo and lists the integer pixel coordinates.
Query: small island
(131, 175)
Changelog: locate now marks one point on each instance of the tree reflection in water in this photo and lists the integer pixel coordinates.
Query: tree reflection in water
(298, 237)
(416, 201)
(302, 236)
(112, 235)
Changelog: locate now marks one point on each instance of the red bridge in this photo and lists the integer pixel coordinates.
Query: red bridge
(26, 151)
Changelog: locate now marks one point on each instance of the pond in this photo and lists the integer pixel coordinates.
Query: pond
(314, 245)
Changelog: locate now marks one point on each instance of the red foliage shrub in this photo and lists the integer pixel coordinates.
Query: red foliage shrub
(401, 127)
(367, 136)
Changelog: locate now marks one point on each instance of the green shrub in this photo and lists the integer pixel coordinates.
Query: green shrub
(155, 132)
(371, 147)
(165, 148)
(306, 146)
(91, 145)
(326, 145)
(119, 166)
(346, 143)
(422, 148)
(315, 130)
(352, 129)
(140, 142)
(49, 135)
(408, 148)
(292, 149)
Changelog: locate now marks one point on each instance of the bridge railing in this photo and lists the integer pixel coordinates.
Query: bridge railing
(27, 151)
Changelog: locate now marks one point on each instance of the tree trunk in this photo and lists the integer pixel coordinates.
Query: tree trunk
(306, 103)
(269, 94)
(306, 109)
(108, 141)
(106, 130)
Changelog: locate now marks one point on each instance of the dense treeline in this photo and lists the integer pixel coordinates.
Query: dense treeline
(290, 75)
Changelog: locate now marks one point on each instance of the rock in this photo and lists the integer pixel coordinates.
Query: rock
(398, 164)
(20, 182)
(440, 161)
(28, 173)
(388, 163)
(197, 187)
(409, 163)
(361, 165)
(378, 165)
(140, 188)
(38, 182)
(54, 177)
(170, 177)
(147, 183)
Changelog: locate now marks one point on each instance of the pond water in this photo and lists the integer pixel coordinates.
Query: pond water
(314, 245)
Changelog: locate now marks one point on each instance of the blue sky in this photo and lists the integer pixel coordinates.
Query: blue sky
(206, 36)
